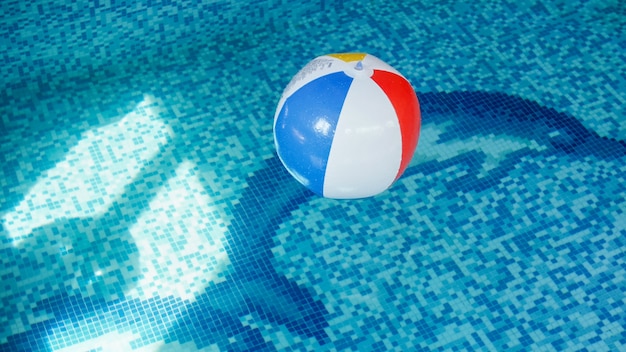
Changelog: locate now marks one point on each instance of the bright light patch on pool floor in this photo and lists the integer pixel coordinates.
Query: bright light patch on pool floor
(115, 342)
(88, 180)
(179, 236)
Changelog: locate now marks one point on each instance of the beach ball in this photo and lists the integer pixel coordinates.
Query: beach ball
(347, 125)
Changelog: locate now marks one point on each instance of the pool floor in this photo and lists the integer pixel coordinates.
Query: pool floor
(147, 210)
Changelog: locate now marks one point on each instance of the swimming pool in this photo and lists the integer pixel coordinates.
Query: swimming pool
(143, 206)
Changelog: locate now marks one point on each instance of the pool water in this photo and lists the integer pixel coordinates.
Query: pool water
(143, 207)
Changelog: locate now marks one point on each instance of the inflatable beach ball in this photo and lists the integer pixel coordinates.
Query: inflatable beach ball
(347, 125)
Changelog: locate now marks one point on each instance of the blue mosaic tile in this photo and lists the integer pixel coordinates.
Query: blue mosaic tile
(142, 206)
